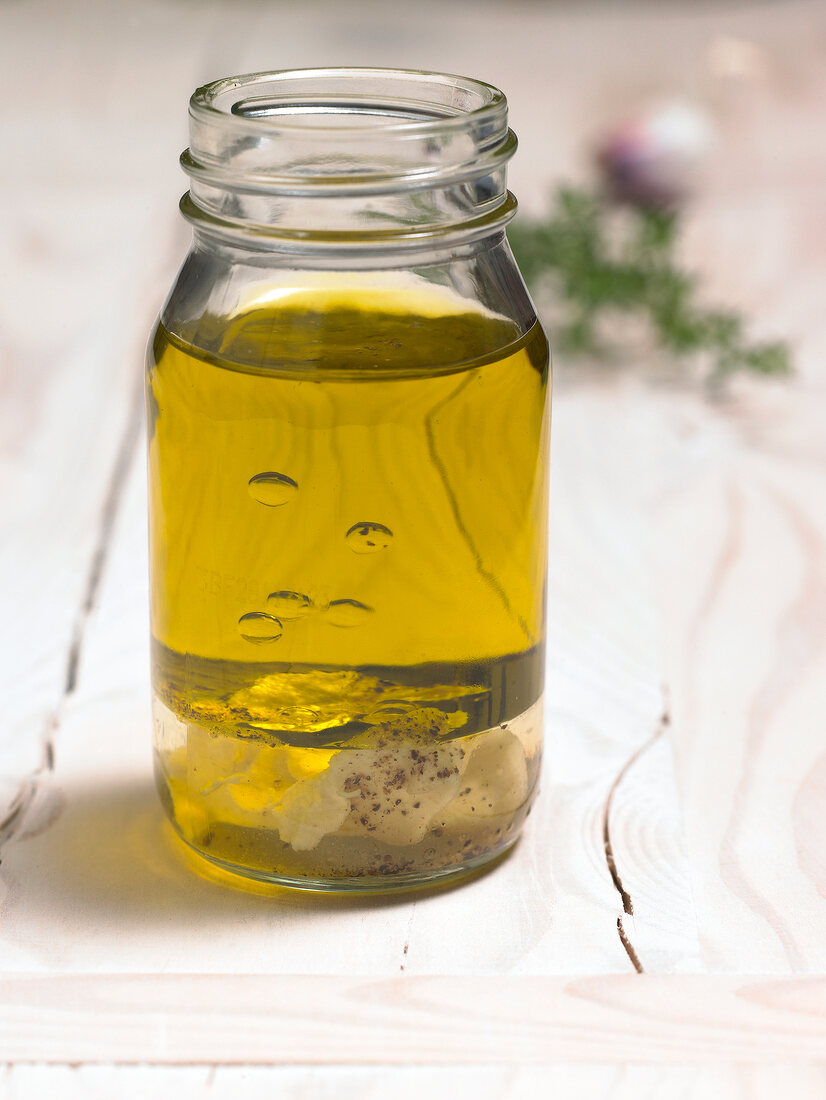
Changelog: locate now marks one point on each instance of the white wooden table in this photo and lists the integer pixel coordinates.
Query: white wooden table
(661, 929)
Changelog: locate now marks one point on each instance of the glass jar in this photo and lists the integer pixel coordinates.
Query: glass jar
(348, 436)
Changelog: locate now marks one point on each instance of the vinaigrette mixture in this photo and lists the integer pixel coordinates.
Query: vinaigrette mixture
(348, 537)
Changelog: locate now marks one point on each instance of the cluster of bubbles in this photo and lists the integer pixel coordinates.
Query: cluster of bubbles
(366, 537)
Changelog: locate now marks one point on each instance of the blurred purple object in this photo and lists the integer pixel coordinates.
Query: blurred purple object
(652, 159)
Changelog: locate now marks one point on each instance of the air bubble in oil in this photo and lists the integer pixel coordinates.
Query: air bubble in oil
(348, 612)
(259, 628)
(272, 488)
(289, 605)
(368, 537)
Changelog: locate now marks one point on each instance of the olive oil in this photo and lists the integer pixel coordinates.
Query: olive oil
(348, 539)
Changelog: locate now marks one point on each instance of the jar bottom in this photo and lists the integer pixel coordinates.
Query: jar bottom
(404, 811)
(244, 877)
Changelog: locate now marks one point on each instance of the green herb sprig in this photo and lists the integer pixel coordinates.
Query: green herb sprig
(598, 269)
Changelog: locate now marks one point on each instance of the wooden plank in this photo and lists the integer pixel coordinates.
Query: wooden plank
(749, 655)
(740, 522)
(574, 1082)
(88, 213)
(439, 1020)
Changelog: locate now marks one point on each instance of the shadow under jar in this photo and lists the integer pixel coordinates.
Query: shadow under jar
(348, 410)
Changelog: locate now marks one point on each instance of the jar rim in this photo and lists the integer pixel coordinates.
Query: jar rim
(484, 104)
(361, 157)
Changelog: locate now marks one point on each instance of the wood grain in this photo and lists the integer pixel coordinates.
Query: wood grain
(261, 1019)
(79, 206)
(574, 1082)
(749, 654)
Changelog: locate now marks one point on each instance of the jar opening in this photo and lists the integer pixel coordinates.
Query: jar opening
(353, 98)
(327, 112)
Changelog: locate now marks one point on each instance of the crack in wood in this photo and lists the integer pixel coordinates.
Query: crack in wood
(28, 787)
(407, 937)
(18, 805)
(629, 947)
(627, 903)
(108, 515)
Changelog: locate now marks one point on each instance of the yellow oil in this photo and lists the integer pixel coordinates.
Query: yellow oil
(348, 540)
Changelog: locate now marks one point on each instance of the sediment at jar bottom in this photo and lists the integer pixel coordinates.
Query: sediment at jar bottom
(404, 799)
